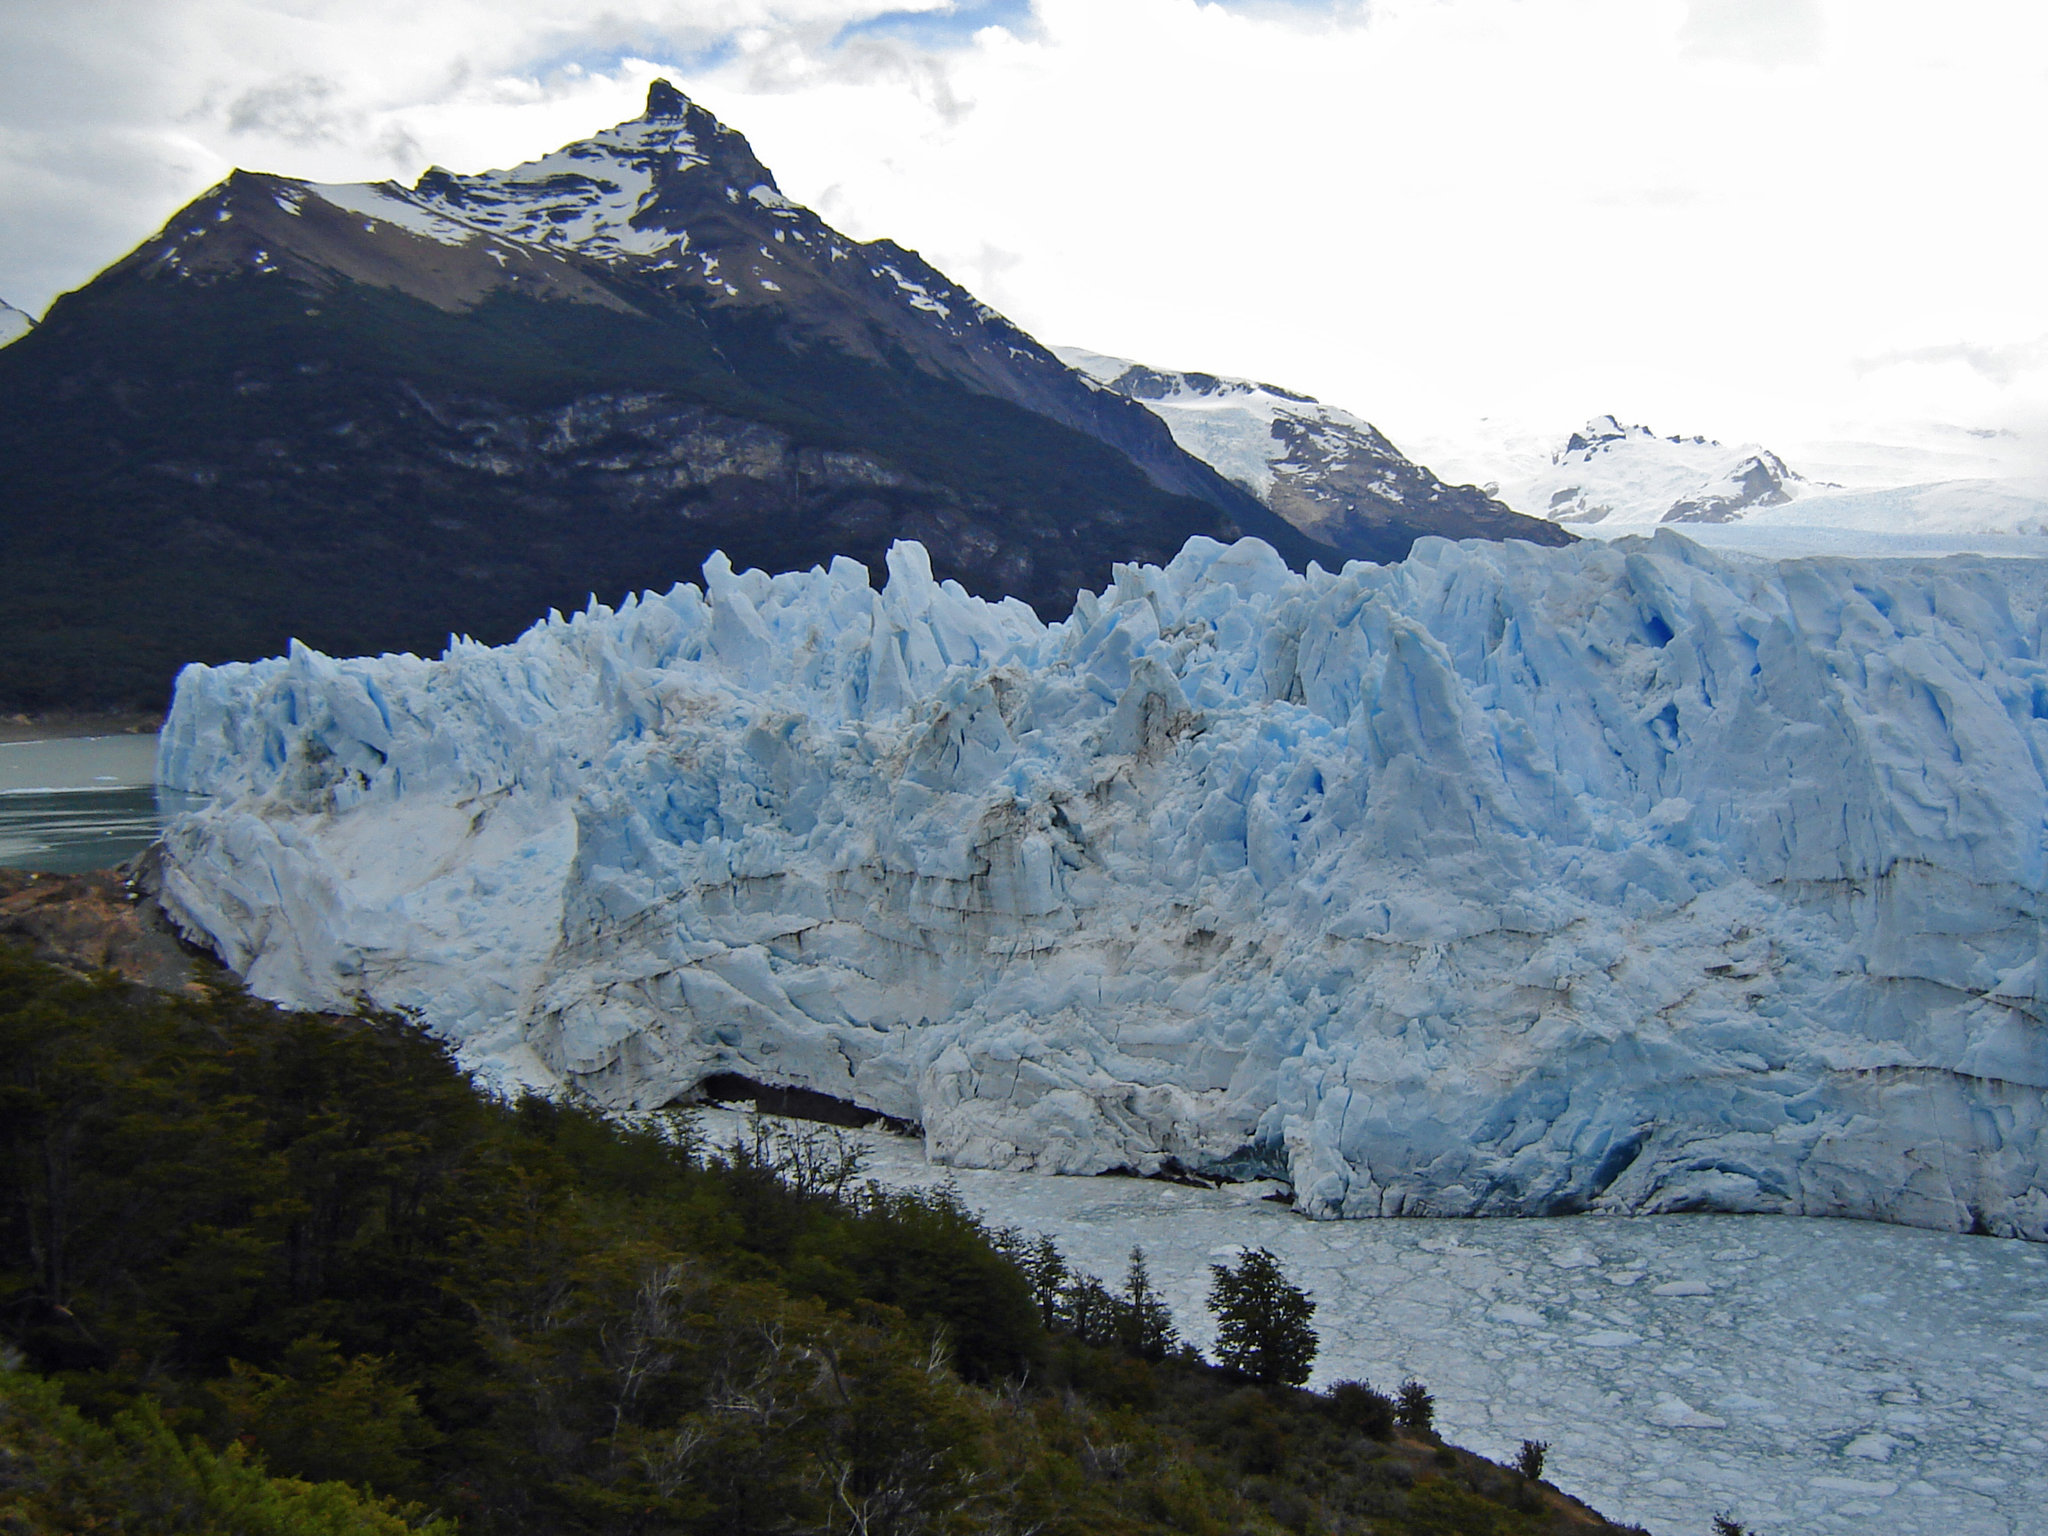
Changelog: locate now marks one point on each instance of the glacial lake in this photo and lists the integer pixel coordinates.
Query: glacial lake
(1811, 1378)
(87, 802)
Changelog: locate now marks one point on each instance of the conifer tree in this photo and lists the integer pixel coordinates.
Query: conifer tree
(1047, 1271)
(1416, 1406)
(1146, 1324)
(1262, 1320)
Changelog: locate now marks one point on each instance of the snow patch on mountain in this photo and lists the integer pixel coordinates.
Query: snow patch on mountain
(1227, 423)
(1504, 880)
(595, 196)
(1331, 474)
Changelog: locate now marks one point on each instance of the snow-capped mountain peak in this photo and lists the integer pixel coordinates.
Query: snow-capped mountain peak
(1226, 422)
(1625, 474)
(671, 203)
(673, 196)
(611, 195)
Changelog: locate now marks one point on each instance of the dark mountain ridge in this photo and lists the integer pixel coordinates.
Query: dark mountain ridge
(367, 416)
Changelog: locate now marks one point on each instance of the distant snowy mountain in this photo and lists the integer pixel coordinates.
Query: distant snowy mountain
(13, 323)
(1899, 490)
(1622, 476)
(1331, 474)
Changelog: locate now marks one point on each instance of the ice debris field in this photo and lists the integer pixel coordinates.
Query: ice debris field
(1809, 1378)
(1626, 877)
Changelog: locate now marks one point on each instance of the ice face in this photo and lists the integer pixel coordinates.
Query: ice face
(1503, 880)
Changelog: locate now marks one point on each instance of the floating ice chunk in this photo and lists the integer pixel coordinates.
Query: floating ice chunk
(1863, 1487)
(1674, 1412)
(1610, 1338)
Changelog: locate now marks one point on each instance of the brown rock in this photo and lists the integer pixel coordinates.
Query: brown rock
(101, 921)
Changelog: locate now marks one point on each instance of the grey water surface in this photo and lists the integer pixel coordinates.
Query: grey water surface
(81, 803)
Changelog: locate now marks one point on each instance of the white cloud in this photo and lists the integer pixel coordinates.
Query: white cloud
(1754, 31)
(1710, 214)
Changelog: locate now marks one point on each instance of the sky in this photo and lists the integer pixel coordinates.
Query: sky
(1766, 220)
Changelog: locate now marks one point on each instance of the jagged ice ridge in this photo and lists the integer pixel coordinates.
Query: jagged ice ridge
(1503, 880)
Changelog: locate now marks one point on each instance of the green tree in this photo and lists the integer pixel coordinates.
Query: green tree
(1262, 1319)
(1144, 1323)
(325, 1418)
(1416, 1407)
(1049, 1276)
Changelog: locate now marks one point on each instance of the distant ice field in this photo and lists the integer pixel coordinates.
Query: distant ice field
(1796, 541)
(1808, 1376)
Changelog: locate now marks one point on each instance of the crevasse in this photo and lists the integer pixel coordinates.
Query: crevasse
(1504, 880)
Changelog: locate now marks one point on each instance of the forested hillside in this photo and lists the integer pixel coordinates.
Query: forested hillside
(262, 1254)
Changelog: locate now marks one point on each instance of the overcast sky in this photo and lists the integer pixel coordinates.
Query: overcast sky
(1759, 219)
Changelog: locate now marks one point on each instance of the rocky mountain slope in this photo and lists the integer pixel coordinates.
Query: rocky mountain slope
(13, 323)
(1505, 880)
(366, 416)
(1332, 475)
(1626, 477)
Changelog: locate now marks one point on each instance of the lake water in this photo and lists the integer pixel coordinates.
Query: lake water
(82, 803)
(1812, 1378)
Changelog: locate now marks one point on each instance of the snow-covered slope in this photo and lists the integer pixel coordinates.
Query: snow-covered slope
(13, 323)
(1945, 506)
(1503, 880)
(1627, 477)
(1331, 474)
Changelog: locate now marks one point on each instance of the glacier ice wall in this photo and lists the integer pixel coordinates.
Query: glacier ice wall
(1503, 880)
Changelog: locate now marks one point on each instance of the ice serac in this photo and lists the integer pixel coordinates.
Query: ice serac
(1505, 880)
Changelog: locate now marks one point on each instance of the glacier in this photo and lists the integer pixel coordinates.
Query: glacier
(1624, 877)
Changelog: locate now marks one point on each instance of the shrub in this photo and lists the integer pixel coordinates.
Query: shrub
(62, 1472)
(1529, 1461)
(1416, 1409)
(1360, 1406)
